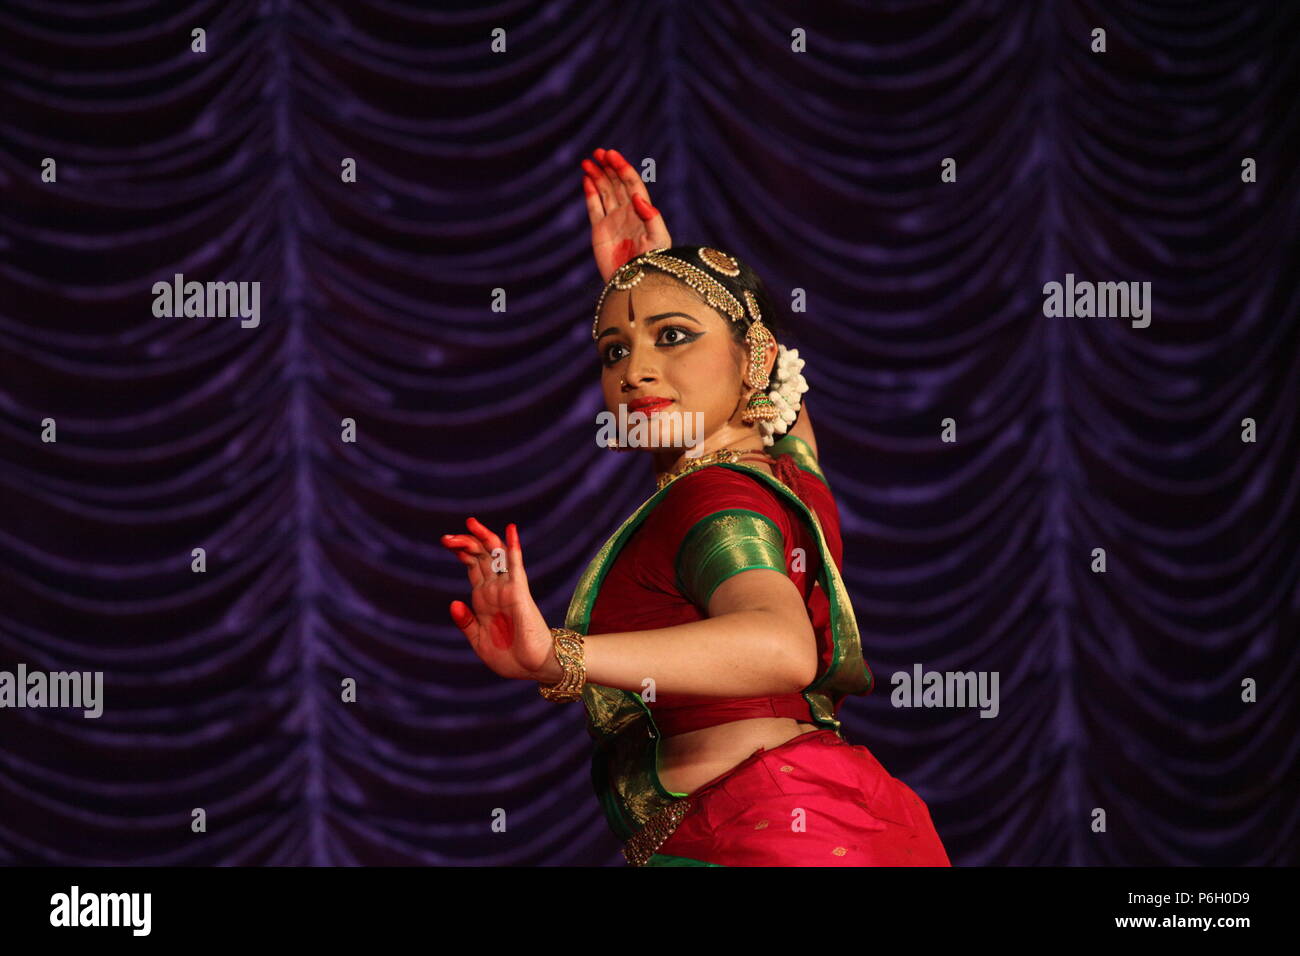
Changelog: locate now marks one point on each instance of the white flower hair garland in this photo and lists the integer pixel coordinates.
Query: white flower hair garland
(786, 392)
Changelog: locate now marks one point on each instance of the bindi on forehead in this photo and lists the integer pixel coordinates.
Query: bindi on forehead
(658, 283)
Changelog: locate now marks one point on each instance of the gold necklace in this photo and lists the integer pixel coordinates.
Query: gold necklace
(728, 455)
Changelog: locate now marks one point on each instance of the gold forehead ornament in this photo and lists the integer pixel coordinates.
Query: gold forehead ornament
(714, 292)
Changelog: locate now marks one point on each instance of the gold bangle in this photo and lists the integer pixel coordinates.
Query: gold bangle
(569, 652)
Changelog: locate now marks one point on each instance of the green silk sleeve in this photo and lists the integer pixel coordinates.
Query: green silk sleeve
(726, 543)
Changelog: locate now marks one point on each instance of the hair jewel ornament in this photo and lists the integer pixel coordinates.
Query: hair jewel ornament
(630, 273)
(719, 261)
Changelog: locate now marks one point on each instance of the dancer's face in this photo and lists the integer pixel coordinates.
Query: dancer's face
(666, 343)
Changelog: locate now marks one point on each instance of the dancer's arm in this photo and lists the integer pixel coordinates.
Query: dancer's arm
(756, 640)
(802, 428)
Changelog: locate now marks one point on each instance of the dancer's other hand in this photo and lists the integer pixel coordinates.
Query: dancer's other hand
(503, 624)
(623, 223)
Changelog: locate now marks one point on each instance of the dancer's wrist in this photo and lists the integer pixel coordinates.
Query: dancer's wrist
(570, 657)
(552, 671)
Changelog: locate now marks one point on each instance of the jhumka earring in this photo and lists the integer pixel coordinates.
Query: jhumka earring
(760, 408)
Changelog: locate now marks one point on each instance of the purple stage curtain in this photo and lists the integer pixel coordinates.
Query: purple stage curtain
(223, 690)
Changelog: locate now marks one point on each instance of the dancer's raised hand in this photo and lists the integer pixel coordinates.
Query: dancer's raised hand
(623, 223)
(502, 621)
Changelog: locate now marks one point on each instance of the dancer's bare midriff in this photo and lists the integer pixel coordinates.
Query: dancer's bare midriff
(688, 761)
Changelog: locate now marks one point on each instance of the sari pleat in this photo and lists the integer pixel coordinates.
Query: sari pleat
(815, 800)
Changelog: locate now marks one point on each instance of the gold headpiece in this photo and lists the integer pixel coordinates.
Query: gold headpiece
(714, 292)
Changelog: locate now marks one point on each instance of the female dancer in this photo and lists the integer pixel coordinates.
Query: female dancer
(711, 639)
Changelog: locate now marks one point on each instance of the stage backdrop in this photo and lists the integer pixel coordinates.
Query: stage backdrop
(1099, 508)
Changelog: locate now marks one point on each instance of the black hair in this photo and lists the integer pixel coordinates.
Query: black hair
(736, 285)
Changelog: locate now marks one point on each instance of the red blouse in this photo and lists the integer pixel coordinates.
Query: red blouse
(641, 590)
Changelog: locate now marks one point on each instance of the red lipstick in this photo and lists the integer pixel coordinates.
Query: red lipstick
(647, 404)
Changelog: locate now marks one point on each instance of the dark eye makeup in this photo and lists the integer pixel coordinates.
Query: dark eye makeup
(607, 355)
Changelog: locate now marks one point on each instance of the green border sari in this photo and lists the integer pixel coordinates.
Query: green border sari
(625, 762)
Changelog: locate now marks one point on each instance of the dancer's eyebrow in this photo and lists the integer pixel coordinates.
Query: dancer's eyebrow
(669, 315)
(651, 319)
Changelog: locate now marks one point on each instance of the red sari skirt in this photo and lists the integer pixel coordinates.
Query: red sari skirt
(815, 800)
